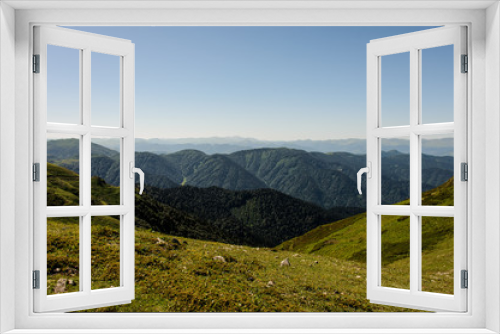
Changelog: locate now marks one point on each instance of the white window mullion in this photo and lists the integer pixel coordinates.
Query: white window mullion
(86, 176)
(86, 255)
(415, 254)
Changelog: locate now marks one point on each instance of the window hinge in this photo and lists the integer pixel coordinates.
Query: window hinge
(465, 64)
(465, 279)
(464, 171)
(36, 172)
(36, 279)
(36, 63)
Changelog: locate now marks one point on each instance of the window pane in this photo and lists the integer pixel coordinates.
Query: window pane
(105, 252)
(437, 84)
(63, 255)
(63, 167)
(63, 85)
(437, 170)
(105, 90)
(395, 169)
(396, 251)
(105, 171)
(437, 254)
(395, 89)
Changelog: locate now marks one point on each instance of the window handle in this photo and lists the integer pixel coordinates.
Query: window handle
(139, 171)
(368, 171)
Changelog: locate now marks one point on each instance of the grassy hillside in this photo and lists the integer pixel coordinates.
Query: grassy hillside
(346, 240)
(176, 274)
(63, 190)
(182, 275)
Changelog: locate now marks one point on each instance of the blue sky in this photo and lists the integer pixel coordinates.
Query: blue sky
(270, 83)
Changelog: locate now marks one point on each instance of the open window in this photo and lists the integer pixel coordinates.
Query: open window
(403, 104)
(98, 82)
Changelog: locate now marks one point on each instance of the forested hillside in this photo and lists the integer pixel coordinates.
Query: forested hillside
(263, 217)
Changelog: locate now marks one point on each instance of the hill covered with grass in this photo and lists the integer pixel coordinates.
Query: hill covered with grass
(346, 240)
(323, 270)
(179, 274)
(188, 275)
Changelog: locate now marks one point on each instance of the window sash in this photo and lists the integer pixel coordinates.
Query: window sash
(86, 297)
(413, 43)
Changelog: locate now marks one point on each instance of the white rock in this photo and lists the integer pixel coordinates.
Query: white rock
(285, 262)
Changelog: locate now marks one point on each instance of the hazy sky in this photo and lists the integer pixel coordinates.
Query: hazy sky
(274, 83)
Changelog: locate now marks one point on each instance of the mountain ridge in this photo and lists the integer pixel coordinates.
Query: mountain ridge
(328, 180)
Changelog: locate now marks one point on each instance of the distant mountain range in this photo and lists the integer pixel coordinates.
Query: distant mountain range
(327, 180)
(227, 145)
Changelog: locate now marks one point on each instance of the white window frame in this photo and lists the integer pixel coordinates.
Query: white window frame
(86, 44)
(414, 44)
(483, 101)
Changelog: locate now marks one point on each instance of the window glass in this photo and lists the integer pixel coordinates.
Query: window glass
(437, 254)
(437, 84)
(395, 251)
(437, 170)
(106, 78)
(395, 171)
(105, 252)
(105, 170)
(395, 89)
(63, 85)
(63, 169)
(63, 255)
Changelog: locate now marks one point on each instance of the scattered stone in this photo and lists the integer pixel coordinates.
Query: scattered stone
(270, 283)
(296, 255)
(219, 258)
(57, 270)
(71, 282)
(160, 241)
(358, 276)
(175, 241)
(61, 285)
(285, 262)
(316, 262)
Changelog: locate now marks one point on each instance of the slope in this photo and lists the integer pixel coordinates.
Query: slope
(185, 275)
(262, 217)
(346, 240)
(63, 189)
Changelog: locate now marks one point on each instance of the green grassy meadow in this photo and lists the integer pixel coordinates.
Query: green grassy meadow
(182, 275)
